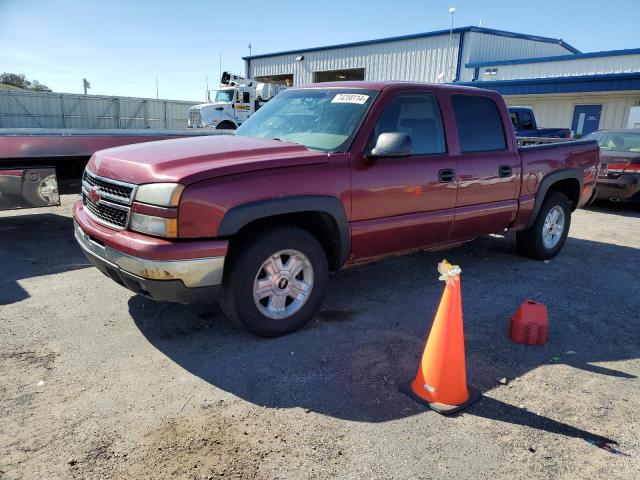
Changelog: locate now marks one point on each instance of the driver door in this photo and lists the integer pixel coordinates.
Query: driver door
(242, 106)
(404, 203)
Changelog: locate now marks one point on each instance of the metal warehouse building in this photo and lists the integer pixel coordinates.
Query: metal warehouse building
(566, 88)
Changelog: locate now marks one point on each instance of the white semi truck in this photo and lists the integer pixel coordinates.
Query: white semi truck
(237, 99)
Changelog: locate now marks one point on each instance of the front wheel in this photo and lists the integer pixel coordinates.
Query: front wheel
(275, 281)
(546, 237)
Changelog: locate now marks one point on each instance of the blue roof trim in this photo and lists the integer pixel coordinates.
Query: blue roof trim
(577, 84)
(489, 31)
(558, 58)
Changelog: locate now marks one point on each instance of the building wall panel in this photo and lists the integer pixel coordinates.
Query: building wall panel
(481, 47)
(584, 66)
(557, 110)
(430, 59)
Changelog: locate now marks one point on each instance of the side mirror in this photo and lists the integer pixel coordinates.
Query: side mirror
(391, 144)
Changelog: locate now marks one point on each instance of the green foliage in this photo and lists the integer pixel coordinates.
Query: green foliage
(20, 81)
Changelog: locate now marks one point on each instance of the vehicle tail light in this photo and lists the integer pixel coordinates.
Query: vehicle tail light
(624, 168)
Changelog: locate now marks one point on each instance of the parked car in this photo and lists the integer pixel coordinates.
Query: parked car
(620, 152)
(525, 125)
(321, 178)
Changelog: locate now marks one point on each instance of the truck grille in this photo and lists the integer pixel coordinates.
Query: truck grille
(107, 201)
(117, 191)
(194, 117)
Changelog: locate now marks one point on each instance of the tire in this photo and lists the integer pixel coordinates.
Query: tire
(252, 267)
(226, 126)
(532, 243)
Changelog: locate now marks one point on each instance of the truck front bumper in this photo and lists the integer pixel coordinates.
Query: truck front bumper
(186, 280)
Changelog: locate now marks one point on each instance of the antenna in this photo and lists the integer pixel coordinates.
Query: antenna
(249, 47)
(157, 87)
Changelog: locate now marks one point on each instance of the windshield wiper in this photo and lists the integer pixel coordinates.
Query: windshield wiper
(278, 139)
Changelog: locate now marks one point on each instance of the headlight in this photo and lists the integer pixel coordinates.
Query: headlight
(161, 194)
(156, 226)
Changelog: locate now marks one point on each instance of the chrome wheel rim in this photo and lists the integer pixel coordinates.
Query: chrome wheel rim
(283, 284)
(553, 227)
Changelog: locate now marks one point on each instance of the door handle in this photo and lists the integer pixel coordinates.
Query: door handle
(447, 175)
(505, 171)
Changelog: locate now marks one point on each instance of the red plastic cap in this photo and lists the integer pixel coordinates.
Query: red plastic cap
(530, 325)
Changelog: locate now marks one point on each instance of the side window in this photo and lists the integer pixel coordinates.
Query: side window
(245, 97)
(417, 115)
(527, 120)
(480, 126)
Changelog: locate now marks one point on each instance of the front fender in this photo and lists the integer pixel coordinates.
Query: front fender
(238, 217)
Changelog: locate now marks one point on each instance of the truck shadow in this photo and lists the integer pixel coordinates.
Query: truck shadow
(622, 209)
(34, 245)
(350, 361)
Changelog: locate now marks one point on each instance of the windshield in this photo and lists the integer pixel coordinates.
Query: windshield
(319, 119)
(222, 96)
(618, 142)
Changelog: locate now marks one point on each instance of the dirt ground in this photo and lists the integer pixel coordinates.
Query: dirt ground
(96, 382)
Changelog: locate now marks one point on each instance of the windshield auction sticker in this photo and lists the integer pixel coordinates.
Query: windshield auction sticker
(350, 98)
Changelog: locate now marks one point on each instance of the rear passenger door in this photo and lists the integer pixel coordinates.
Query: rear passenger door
(488, 169)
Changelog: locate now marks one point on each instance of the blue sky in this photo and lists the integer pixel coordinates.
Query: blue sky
(122, 46)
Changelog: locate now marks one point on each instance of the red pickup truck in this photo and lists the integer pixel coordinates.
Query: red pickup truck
(323, 177)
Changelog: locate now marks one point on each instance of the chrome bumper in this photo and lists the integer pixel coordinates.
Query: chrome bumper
(194, 273)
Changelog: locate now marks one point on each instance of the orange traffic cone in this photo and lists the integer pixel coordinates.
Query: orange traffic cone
(441, 381)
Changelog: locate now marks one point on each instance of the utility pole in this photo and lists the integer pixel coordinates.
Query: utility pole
(220, 68)
(249, 47)
(207, 96)
(157, 88)
(452, 11)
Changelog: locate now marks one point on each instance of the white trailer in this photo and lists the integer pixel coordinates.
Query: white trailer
(237, 99)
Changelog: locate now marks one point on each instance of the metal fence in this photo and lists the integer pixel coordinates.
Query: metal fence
(66, 110)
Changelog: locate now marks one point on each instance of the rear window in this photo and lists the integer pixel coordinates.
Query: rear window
(480, 126)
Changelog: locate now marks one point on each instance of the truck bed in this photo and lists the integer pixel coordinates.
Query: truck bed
(38, 160)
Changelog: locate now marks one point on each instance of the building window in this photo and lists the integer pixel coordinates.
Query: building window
(339, 75)
(479, 124)
(284, 79)
(490, 72)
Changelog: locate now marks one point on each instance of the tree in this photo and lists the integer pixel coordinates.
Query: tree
(20, 81)
(39, 87)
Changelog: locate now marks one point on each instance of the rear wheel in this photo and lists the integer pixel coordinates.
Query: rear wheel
(546, 237)
(275, 281)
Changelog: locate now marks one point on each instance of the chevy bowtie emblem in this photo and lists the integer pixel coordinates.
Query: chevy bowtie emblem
(94, 195)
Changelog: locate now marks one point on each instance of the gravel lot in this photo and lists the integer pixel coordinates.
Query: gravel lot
(98, 383)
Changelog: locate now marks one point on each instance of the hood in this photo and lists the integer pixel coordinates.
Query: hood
(188, 160)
